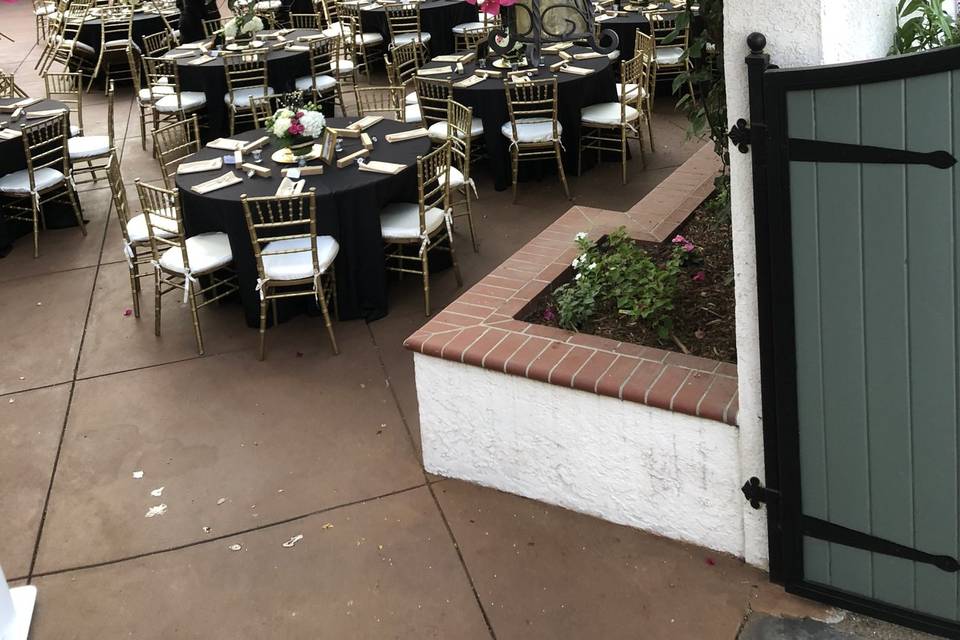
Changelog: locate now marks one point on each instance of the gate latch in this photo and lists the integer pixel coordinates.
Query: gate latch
(756, 493)
(740, 135)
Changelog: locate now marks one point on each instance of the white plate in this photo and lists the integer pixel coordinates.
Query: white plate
(285, 156)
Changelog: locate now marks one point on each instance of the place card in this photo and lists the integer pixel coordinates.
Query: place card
(295, 172)
(310, 38)
(366, 141)
(578, 71)
(603, 17)
(256, 144)
(435, 71)
(9, 134)
(226, 144)
(558, 46)
(469, 81)
(587, 55)
(201, 60)
(289, 188)
(176, 55)
(365, 123)
(226, 180)
(346, 161)
(255, 169)
(44, 113)
(199, 166)
(407, 135)
(455, 57)
(378, 166)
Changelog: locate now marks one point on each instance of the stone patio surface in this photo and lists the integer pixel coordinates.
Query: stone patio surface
(252, 454)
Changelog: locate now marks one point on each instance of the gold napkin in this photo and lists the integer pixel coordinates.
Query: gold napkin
(226, 144)
(406, 135)
(378, 166)
(199, 166)
(469, 81)
(226, 180)
(201, 60)
(579, 71)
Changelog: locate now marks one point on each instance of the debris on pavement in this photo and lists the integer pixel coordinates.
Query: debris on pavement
(157, 510)
(156, 493)
(207, 529)
(221, 501)
(327, 526)
(235, 547)
(292, 541)
(137, 475)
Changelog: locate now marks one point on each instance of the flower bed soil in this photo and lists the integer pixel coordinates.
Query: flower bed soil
(703, 314)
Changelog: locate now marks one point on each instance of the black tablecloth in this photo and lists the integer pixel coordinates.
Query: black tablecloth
(626, 28)
(283, 68)
(144, 24)
(489, 102)
(348, 208)
(437, 17)
(13, 158)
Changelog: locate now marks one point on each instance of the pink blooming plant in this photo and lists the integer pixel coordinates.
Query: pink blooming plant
(684, 244)
(492, 7)
(699, 276)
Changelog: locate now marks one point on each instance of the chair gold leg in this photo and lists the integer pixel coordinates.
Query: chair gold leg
(333, 293)
(563, 176)
(580, 155)
(453, 258)
(473, 234)
(623, 154)
(134, 288)
(653, 147)
(263, 329)
(36, 231)
(143, 129)
(76, 209)
(322, 300)
(513, 172)
(196, 320)
(426, 283)
(157, 301)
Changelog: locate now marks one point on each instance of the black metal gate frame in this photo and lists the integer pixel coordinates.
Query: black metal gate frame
(766, 136)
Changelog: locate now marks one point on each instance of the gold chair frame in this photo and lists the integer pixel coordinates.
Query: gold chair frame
(116, 34)
(537, 100)
(403, 19)
(244, 71)
(323, 56)
(459, 124)
(98, 162)
(384, 101)
(138, 254)
(174, 143)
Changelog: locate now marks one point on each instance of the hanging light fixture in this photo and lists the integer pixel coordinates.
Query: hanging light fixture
(538, 22)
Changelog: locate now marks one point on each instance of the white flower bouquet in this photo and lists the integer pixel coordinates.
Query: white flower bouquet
(242, 25)
(292, 125)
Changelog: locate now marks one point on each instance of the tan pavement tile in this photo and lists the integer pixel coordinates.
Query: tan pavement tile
(276, 439)
(545, 572)
(30, 425)
(43, 318)
(385, 569)
(137, 163)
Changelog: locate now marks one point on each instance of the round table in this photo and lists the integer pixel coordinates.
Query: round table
(437, 17)
(489, 102)
(626, 29)
(348, 208)
(13, 158)
(144, 24)
(283, 68)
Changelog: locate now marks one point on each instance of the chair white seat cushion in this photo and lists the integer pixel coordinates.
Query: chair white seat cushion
(335, 29)
(206, 252)
(631, 90)
(87, 146)
(607, 113)
(342, 65)
(241, 97)
(668, 55)
(401, 221)
(74, 130)
(614, 55)
(411, 113)
(306, 83)
(467, 26)
(120, 45)
(294, 266)
(147, 94)
(267, 5)
(411, 98)
(19, 181)
(189, 100)
(403, 38)
(45, 10)
(531, 130)
(456, 178)
(164, 226)
(79, 47)
(370, 38)
(438, 130)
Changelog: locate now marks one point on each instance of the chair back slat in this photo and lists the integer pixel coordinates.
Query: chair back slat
(306, 21)
(67, 87)
(156, 44)
(161, 210)
(45, 146)
(459, 123)
(382, 101)
(532, 100)
(273, 218)
(173, 144)
(433, 179)
(433, 94)
(118, 193)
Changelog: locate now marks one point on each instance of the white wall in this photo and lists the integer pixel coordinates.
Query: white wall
(799, 33)
(668, 473)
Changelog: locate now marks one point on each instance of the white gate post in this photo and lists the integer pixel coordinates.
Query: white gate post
(799, 33)
(16, 610)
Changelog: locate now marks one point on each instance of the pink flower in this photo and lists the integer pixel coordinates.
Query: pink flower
(699, 276)
(127, 312)
(549, 314)
(688, 247)
(492, 7)
(678, 239)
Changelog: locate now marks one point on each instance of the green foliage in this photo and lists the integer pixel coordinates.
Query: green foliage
(923, 25)
(618, 274)
(708, 114)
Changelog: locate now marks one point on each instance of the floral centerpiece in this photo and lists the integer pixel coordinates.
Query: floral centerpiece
(491, 7)
(294, 125)
(244, 25)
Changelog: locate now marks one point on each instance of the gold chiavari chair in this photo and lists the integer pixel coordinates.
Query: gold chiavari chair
(329, 13)
(65, 48)
(172, 144)
(156, 44)
(379, 101)
(644, 43)
(433, 95)
(179, 261)
(115, 37)
(459, 128)
(246, 78)
(46, 178)
(533, 129)
(89, 154)
(292, 260)
(67, 87)
(403, 23)
(133, 228)
(212, 27)
(360, 47)
(142, 95)
(42, 10)
(609, 125)
(9, 87)
(402, 64)
(426, 224)
(469, 36)
(169, 103)
(171, 22)
(669, 47)
(323, 82)
(305, 21)
(645, 88)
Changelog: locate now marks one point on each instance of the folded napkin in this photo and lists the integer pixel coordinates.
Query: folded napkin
(469, 82)
(259, 142)
(435, 71)
(9, 134)
(176, 55)
(378, 166)
(44, 113)
(289, 187)
(226, 180)
(559, 46)
(201, 60)
(602, 17)
(193, 45)
(365, 123)
(199, 166)
(26, 102)
(406, 135)
(579, 71)
(316, 36)
(454, 57)
(587, 55)
(296, 47)
(226, 144)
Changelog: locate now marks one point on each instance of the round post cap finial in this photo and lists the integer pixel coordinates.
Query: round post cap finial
(756, 41)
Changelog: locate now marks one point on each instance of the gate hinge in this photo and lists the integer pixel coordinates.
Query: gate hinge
(756, 493)
(740, 135)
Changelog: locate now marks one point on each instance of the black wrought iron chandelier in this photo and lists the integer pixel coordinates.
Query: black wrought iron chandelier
(538, 22)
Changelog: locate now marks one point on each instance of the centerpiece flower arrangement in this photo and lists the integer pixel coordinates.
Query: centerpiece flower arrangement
(243, 25)
(292, 125)
(491, 7)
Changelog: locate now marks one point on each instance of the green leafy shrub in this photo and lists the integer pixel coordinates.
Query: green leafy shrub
(923, 25)
(617, 274)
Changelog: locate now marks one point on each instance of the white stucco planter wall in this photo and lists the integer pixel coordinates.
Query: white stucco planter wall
(669, 473)
(799, 33)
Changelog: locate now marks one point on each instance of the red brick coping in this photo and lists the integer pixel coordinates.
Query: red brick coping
(479, 328)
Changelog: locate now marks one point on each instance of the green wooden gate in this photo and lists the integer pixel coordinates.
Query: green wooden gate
(858, 240)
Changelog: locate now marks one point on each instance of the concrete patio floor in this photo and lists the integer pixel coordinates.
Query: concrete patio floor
(306, 443)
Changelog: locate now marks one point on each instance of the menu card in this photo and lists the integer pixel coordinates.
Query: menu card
(226, 180)
(407, 135)
(226, 144)
(378, 166)
(200, 165)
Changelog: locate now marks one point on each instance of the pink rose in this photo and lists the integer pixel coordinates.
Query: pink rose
(699, 276)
